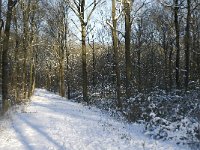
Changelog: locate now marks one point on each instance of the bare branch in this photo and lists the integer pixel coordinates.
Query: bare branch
(108, 23)
(75, 25)
(91, 29)
(95, 3)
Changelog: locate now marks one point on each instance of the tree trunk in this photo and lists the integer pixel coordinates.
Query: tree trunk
(165, 48)
(93, 65)
(170, 66)
(26, 10)
(84, 58)
(84, 64)
(33, 77)
(115, 48)
(61, 72)
(68, 78)
(16, 65)
(177, 30)
(187, 45)
(127, 47)
(1, 28)
(5, 61)
(139, 57)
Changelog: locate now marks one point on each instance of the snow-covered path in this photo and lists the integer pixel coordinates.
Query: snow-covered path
(50, 122)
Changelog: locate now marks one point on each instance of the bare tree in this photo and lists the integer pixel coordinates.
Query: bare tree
(127, 10)
(1, 21)
(79, 8)
(115, 40)
(187, 44)
(1, 28)
(63, 29)
(26, 8)
(5, 61)
(177, 30)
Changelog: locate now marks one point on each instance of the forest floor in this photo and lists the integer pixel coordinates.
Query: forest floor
(49, 122)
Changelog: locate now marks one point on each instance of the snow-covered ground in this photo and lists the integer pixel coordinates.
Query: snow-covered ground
(50, 122)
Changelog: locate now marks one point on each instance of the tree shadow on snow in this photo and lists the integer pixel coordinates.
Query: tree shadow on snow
(24, 139)
(69, 111)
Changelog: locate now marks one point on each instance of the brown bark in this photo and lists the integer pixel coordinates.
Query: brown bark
(5, 62)
(1, 28)
(116, 57)
(68, 78)
(127, 10)
(16, 65)
(79, 10)
(84, 65)
(26, 10)
(61, 72)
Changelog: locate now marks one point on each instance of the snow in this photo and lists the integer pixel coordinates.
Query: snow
(50, 122)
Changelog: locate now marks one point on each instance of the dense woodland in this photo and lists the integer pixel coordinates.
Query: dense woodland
(140, 58)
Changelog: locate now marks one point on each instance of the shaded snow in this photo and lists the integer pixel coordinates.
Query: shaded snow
(50, 122)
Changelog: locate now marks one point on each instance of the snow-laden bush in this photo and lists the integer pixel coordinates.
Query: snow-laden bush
(167, 115)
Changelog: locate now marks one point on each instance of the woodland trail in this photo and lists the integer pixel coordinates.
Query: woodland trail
(50, 122)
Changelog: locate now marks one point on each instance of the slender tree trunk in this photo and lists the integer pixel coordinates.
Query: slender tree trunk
(170, 66)
(31, 66)
(79, 10)
(127, 46)
(26, 10)
(16, 72)
(30, 80)
(187, 46)
(84, 57)
(116, 59)
(93, 64)
(67, 54)
(177, 30)
(165, 48)
(32, 77)
(139, 70)
(5, 61)
(198, 48)
(16, 65)
(1, 20)
(61, 72)
(68, 78)
(84, 65)
(1, 27)
(139, 57)
(24, 76)
(193, 57)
